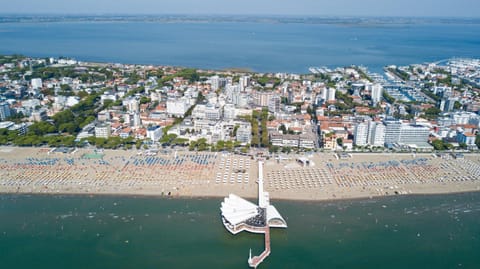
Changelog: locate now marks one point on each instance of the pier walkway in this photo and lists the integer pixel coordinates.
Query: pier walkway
(255, 261)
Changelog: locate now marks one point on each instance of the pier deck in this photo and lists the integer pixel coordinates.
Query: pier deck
(256, 260)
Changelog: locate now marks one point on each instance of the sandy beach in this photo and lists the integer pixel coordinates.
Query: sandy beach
(205, 174)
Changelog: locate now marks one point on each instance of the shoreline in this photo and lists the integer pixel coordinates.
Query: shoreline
(286, 200)
(190, 175)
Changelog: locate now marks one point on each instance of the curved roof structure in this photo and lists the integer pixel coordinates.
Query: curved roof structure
(239, 214)
(237, 210)
(274, 219)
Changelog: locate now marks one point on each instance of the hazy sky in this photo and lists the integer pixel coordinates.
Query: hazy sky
(443, 8)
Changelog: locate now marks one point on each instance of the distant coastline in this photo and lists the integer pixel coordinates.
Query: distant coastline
(274, 19)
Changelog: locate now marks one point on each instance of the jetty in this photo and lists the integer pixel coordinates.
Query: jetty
(255, 261)
(240, 215)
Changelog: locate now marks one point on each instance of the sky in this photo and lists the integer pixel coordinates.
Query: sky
(397, 8)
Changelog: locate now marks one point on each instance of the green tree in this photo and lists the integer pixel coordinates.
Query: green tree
(235, 129)
(229, 145)
(388, 97)
(432, 112)
(107, 103)
(457, 105)
(41, 128)
(438, 144)
(340, 141)
(255, 140)
(65, 116)
(431, 95)
(200, 98)
(87, 121)
(68, 127)
(220, 145)
(82, 94)
(138, 144)
(273, 149)
(145, 100)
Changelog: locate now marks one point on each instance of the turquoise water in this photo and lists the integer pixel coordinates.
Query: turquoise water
(261, 46)
(441, 231)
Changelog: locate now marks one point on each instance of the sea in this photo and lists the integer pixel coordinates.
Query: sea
(58, 231)
(261, 45)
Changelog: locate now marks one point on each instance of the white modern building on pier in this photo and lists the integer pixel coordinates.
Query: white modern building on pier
(239, 215)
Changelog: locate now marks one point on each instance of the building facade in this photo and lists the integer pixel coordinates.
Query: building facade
(360, 135)
(154, 133)
(103, 130)
(244, 133)
(5, 111)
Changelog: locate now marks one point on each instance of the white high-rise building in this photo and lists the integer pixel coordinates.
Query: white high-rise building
(261, 98)
(212, 112)
(392, 131)
(5, 111)
(103, 130)
(361, 134)
(229, 112)
(199, 111)
(407, 134)
(137, 122)
(376, 92)
(376, 134)
(72, 100)
(177, 107)
(331, 94)
(324, 93)
(36, 83)
(414, 134)
(107, 96)
(244, 82)
(156, 96)
(244, 133)
(132, 104)
(154, 133)
(465, 117)
(274, 104)
(448, 104)
(243, 100)
(217, 82)
(233, 93)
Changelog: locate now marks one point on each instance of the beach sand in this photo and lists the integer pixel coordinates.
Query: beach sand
(204, 174)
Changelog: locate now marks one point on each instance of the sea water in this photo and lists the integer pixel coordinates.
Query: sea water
(438, 231)
(259, 46)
